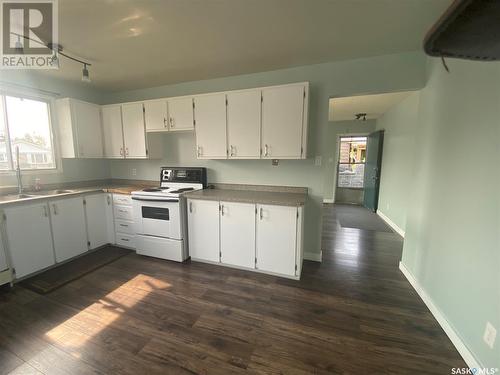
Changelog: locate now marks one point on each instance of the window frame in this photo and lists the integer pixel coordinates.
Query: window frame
(50, 101)
(337, 164)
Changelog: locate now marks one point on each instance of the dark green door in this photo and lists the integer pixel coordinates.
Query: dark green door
(372, 169)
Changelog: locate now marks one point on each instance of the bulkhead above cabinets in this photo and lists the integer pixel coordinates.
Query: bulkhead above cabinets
(260, 123)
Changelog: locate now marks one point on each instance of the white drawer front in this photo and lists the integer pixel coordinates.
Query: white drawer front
(122, 199)
(123, 213)
(125, 240)
(126, 227)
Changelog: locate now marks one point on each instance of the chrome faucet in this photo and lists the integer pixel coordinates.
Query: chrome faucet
(18, 173)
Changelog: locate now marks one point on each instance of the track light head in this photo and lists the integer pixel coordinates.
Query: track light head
(85, 74)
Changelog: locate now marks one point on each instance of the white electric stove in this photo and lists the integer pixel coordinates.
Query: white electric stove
(160, 213)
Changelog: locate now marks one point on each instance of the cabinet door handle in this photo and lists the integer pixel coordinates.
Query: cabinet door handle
(171, 120)
(232, 148)
(121, 151)
(124, 225)
(191, 207)
(222, 210)
(108, 199)
(199, 150)
(126, 151)
(125, 239)
(164, 122)
(266, 150)
(45, 212)
(261, 214)
(54, 208)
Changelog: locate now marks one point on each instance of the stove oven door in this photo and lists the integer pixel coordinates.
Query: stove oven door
(159, 217)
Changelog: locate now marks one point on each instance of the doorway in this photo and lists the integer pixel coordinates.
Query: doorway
(351, 159)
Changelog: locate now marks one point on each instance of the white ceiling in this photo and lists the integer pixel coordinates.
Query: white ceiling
(344, 109)
(143, 43)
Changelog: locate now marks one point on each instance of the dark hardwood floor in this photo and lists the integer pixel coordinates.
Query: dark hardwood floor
(354, 313)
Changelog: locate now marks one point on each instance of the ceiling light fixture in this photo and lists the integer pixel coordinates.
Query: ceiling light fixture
(360, 116)
(85, 73)
(57, 50)
(54, 60)
(19, 45)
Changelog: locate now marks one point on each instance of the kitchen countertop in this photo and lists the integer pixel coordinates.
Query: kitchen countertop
(51, 194)
(279, 198)
(277, 195)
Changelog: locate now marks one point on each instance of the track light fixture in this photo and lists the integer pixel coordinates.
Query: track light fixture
(360, 116)
(57, 50)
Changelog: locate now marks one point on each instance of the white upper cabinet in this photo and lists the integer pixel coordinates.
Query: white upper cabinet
(243, 124)
(68, 227)
(156, 115)
(210, 117)
(30, 249)
(134, 135)
(261, 123)
(80, 130)
(180, 111)
(284, 118)
(112, 129)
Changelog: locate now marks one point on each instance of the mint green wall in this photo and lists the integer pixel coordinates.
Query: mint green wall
(453, 208)
(330, 153)
(72, 169)
(379, 74)
(400, 125)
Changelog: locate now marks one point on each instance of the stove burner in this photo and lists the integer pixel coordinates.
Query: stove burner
(151, 190)
(182, 190)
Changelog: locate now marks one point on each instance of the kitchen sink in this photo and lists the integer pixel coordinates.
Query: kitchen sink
(14, 197)
(54, 192)
(24, 196)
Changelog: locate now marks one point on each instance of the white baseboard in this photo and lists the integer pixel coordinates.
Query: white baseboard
(390, 223)
(316, 257)
(329, 200)
(450, 331)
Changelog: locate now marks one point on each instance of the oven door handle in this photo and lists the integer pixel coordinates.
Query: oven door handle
(155, 200)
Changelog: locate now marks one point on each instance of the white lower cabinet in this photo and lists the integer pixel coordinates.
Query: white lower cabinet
(29, 238)
(68, 227)
(277, 239)
(124, 230)
(266, 238)
(59, 229)
(3, 255)
(99, 216)
(203, 223)
(237, 234)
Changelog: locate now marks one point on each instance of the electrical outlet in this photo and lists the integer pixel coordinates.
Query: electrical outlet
(317, 161)
(134, 172)
(275, 162)
(490, 334)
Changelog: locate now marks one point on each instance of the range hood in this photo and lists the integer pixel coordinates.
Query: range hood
(469, 29)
